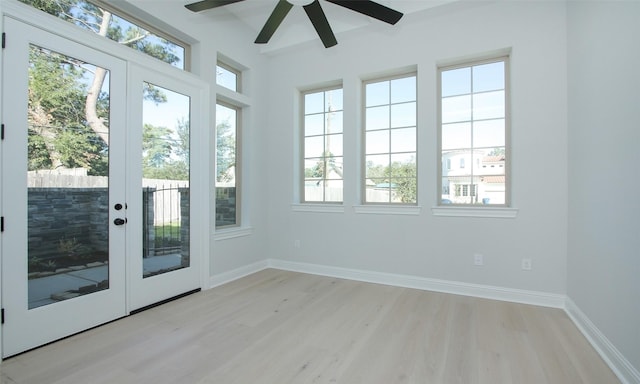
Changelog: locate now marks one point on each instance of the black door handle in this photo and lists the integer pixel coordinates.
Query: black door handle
(119, 221)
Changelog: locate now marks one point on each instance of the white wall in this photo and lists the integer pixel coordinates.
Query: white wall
(424, 245)
(604, 180)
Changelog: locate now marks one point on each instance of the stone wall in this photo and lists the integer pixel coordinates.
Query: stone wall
(63, 214)
(225, 206)
(81, 216)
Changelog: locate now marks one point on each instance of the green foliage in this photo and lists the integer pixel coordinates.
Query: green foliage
(322, 167)
(164, 157)
(405, 179)
(38, 153)
(225, 150)
(317, 171)
(52, 7)
(500, 151)
(401, 176)
(59, 134)
(153, 93)
(89, 16)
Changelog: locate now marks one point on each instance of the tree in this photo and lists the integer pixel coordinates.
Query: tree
(58, 131)
(164, 156)
(499, 151)
(405, 180)
(80, 86)
(401, 177)
(225, 150)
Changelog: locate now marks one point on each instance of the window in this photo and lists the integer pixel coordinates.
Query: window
(227, 166)
(322, 146)
(390, 150)
(473, 132)
(228, 77)
(105, 21)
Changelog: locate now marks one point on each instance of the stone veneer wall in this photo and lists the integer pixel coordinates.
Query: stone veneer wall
(64, 214)
(57, 214)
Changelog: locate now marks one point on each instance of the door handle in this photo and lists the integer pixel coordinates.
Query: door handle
(120, 221)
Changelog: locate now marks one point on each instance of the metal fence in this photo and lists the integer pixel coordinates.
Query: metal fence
(163, 219)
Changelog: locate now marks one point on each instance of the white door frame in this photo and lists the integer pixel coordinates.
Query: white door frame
(142, 292)
(200, 160)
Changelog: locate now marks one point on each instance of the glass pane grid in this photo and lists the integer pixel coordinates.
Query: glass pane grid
(390, 141)
(473, 135)
(323, 146)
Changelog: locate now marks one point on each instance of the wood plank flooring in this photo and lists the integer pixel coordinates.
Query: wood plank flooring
(277, 327)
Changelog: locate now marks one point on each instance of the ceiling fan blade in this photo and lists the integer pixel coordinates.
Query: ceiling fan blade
(371, 9)
(320, 23)
(273, 22)
(208, 4)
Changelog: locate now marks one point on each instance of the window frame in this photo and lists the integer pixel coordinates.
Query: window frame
(238, 73)
(238, 166)
(149, 27)
(363, 152)
(302, 157)
(121, 13)
(504, 57)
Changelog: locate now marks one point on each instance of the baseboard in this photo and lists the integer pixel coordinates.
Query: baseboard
(609, 353)
(234, 274)
(427, 284)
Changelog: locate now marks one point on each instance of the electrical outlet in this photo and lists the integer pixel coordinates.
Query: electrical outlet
(296, 243)
(478, 259)
(526, 264)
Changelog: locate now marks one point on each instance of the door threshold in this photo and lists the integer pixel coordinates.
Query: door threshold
(165, 301)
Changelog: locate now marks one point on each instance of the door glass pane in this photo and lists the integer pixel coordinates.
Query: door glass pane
(68, 184)
(165, 183)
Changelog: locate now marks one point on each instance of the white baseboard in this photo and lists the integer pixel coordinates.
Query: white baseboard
(609, 353)
(427, 284)
(235, 274)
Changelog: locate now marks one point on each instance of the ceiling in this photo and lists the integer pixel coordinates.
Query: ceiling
(296, 27)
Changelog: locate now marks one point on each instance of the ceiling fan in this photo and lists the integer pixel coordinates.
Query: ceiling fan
(313, 10)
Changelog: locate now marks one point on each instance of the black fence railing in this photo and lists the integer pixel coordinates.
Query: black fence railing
(162, 220)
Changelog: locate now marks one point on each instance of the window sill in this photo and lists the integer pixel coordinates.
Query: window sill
(320, 207)
(485, 212)
(232, 233)
(388, 209)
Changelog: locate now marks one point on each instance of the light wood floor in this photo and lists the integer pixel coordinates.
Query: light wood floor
(277, 327)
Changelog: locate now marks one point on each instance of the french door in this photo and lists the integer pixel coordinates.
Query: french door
(96, 191)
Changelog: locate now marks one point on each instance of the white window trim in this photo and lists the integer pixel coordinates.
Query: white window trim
(238, 177)
(312, 206)
(471, 210)
(388, 209)
(242, 103)
(385, 207)
(228, 233)
(482, 211)
(222, 64)
(318, 207)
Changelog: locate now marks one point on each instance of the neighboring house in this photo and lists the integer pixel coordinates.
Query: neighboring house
(473, 176)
